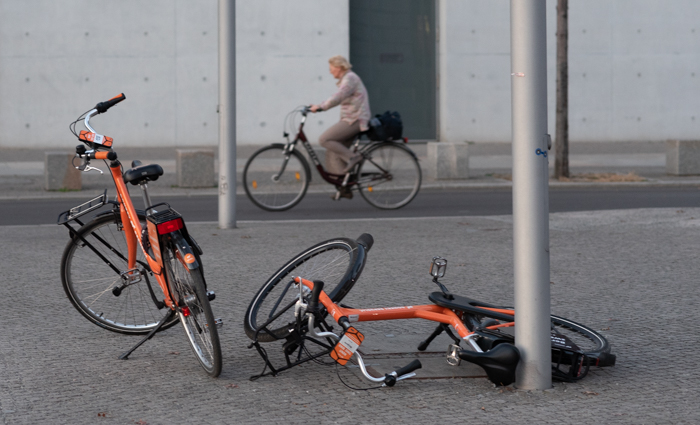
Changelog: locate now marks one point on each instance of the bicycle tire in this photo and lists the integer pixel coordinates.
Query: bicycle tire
(591, 343)
(390, 176)
(268, 191)
(88, 280)
(337, 262)
(194, 310)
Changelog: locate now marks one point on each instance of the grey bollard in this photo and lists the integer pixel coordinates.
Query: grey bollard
(195, 168)
(682, 157)
(59, 172)
(447, 160)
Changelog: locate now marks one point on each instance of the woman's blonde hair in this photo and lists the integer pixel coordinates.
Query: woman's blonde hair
(340, 62)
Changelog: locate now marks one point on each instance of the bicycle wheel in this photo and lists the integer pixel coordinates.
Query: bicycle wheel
(390, 177)
(584, 338)
(187, 286)
(274, 181)
(91, 269)
(575, 347)
(337, 262)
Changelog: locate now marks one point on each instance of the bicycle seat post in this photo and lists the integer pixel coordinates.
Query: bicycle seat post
(146, 197)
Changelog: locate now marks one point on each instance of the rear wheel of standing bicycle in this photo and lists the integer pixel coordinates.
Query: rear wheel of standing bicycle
(95, 278)
(337, 262)
(275, 181)
(390, 177)
(187, 286)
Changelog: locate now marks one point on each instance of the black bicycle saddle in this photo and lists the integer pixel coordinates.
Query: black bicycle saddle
(149, 172)
(499, 362)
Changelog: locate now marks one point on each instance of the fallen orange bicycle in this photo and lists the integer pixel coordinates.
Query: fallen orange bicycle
(113, 262)
(300, 306)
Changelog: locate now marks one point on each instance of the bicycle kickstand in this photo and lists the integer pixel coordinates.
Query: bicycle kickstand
(160, 324)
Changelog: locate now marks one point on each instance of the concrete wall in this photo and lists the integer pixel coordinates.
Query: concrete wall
(59, 58)
(632, 70)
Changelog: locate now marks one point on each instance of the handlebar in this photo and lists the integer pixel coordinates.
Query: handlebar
(390, 379)
(102, 107)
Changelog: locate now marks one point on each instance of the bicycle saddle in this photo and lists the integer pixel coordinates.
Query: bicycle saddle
(499, 362)
(149, 172)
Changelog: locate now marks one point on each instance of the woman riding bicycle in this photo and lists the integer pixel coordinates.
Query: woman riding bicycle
(354, 116)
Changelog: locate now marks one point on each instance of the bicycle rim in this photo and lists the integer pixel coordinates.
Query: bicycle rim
(194, 312)
(336, 262)
(390, 178)
(273, 181)
(89, 281)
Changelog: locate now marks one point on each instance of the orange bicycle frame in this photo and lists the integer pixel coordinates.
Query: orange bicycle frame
(133, 230)
(431, 312)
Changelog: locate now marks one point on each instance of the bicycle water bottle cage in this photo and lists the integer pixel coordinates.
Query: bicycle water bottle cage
(94, 140)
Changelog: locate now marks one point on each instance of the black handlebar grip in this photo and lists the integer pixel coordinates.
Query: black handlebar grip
(104, 106)
(315, 293)
(136, 163)
(366, 240)
(409, 368)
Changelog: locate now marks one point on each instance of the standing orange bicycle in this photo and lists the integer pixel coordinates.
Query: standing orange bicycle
(111, 263)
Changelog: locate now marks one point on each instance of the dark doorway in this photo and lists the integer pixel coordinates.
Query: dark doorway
(392, 48)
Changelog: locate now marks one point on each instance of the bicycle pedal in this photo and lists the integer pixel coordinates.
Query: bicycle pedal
(219, 323)
(453, 358)
(211, 295)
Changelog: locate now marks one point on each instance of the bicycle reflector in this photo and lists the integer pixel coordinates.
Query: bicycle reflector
(438, 267)
(170, 226)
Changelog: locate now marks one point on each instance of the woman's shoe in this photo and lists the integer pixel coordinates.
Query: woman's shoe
(343, 192)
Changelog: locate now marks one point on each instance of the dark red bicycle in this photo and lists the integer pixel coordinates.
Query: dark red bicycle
(277, 176)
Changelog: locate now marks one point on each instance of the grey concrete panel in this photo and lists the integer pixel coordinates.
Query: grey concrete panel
(59, 172)
(195, 168)
(683, 157)
(447, 160)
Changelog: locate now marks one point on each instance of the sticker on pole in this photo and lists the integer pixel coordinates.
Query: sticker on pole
(347, 346)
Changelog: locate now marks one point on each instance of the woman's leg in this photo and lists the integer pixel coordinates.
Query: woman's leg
(336, 139)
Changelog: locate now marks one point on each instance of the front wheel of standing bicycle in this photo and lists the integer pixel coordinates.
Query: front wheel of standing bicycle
(195, 313)
(276, 181)
(101, 286)
(390, 176)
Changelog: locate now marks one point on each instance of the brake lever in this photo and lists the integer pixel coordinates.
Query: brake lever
(90, 168)
(85, 166)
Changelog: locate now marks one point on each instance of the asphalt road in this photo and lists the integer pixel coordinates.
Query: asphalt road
(428, 203)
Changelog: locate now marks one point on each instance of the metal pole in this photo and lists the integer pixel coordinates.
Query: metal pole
(530, 192)
(227, 114)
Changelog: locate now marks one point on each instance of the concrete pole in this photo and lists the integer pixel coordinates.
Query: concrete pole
(227, 114)
(530, 192)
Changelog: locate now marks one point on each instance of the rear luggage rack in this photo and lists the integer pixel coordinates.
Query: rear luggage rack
(82, 209)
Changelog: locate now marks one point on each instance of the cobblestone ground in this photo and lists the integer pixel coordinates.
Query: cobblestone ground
(630, 274)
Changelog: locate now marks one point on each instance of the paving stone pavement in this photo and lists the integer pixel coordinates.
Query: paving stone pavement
(630, 274)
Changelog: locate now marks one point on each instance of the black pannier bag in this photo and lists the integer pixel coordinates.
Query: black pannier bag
(387, 126)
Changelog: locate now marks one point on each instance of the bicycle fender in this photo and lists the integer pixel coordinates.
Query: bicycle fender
(185, 250)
